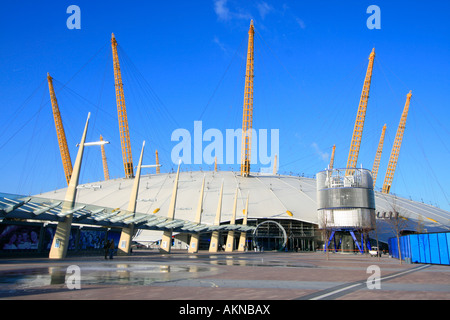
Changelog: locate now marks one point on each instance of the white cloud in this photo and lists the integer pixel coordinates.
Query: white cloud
(264, 9)
(221, 9)
(323, 155)
(220, 44)
(301, 23)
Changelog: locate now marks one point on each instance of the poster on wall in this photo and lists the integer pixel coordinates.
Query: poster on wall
(19, 237)
(50, 233)
(91, 239)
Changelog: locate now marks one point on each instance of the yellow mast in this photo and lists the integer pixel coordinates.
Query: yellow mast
(65, 155)
(396, 147)
(105, 163)
(122, 113)
(247, 118)
(332, 158)
(157, 162)
(275, 167)
(360, 117)
(376, 163)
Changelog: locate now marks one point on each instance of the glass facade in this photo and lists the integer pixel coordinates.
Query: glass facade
(300, 236)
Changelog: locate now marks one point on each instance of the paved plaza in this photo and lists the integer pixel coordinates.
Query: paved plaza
(258, 276)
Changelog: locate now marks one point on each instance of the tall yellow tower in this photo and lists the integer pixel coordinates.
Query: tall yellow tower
(376, 163)
(247, 118)
(157, 162)
(396, 147)
(360, 117)
(65, 155)
(104, 161)
(330, 166)
(122, 113)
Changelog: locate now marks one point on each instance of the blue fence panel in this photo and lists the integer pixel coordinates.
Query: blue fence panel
(393, 248)
(408, 247)
(443, 248)
(423, 248)
(448, 242)
(434, 248)
(415, 250)
(402, 247)
(405, 247)
(427, 248)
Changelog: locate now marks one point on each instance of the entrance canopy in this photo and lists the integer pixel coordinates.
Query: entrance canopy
(33, 208)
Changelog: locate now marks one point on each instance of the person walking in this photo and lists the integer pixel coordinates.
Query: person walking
(106, 248)
(111, 249)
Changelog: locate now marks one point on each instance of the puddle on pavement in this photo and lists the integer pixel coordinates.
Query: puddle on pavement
(139, 274)
(260, 263)
(107, 274)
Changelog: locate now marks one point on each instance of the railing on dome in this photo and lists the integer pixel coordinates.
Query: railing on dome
(337, 178)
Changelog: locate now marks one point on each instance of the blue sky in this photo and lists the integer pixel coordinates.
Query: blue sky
(184, 61)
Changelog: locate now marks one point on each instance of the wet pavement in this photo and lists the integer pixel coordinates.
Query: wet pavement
(223, 276)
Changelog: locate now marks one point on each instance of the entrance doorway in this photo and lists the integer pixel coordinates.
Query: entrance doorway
(269, 235)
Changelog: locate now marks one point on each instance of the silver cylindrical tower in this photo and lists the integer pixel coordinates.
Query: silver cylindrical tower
(345, 201)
